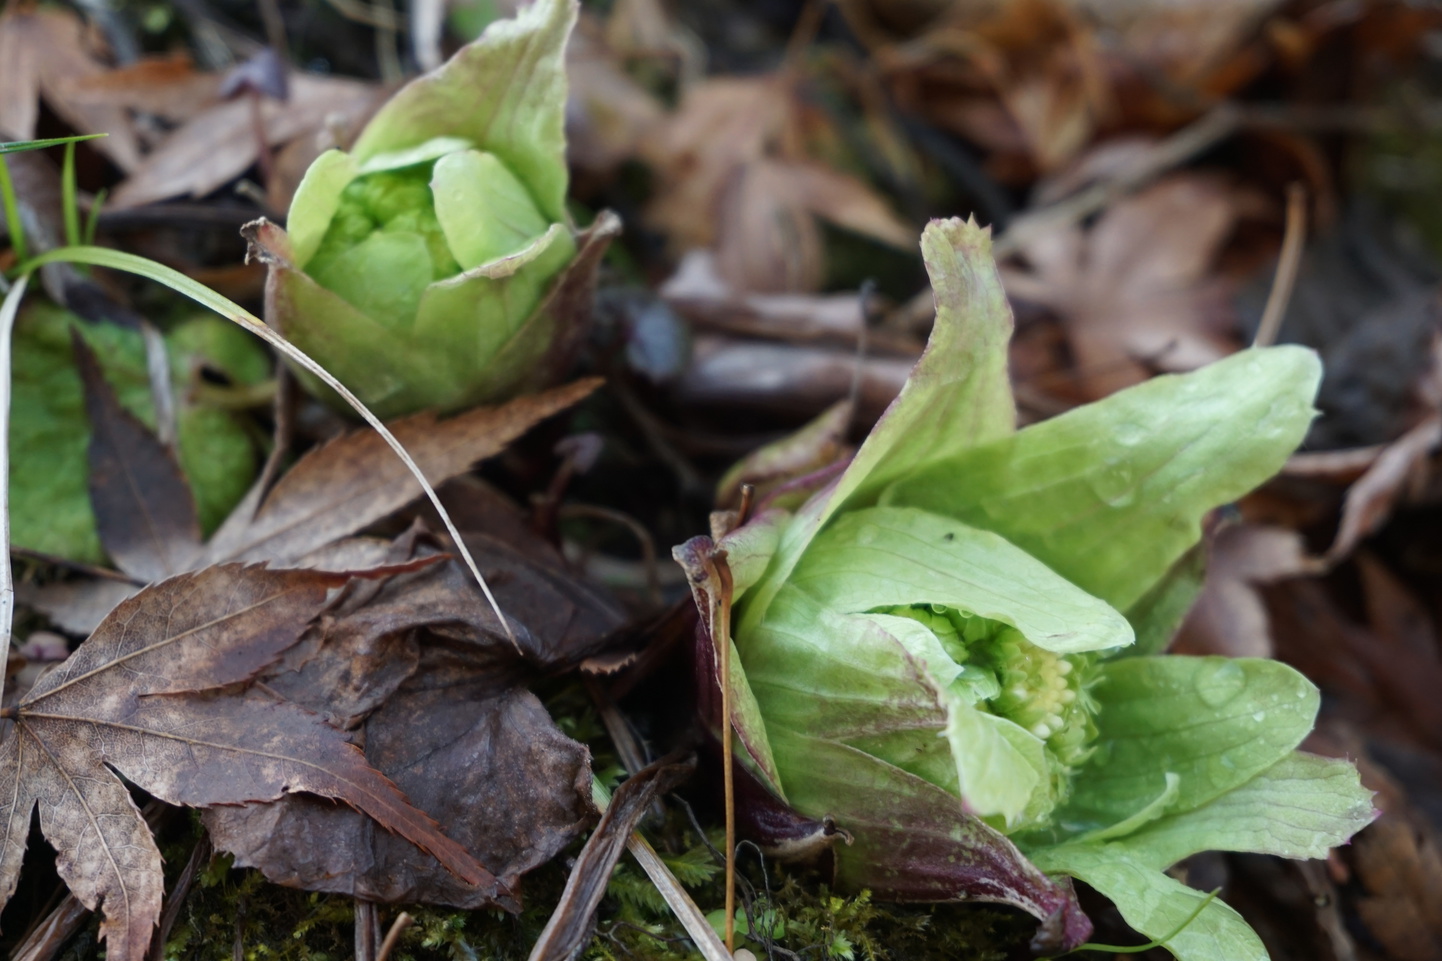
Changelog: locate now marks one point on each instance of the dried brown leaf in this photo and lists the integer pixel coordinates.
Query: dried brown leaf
(766, 237)
(609, 113)
(1384, 675)
(1230, 616)
(1370, 500)
(697, 291)
(144, 510)
(147, 696)
(720, 124)
(1399, 864)
(169, 87)
(727, 372)
(1184, 39)
(78, 606)
(43, 52)
(1134, 292)
(849, 202)
(356, 480)
(448, 717)
(219, 144)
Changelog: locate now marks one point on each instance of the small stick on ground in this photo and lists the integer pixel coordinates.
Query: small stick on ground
(1287, 266)
(393, 936)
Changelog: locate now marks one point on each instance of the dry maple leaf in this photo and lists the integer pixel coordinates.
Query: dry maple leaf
(144, 509)
(331, 492)
(153, 694)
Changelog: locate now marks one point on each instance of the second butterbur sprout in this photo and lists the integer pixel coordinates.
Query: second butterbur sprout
(434, 263)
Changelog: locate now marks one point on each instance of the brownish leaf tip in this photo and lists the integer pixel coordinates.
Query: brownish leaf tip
(144, 509)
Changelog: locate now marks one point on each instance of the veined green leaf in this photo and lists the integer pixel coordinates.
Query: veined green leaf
(484, 325)
(385, 275)
(882, 684)
(381, 365)
(911, 835)
(1155, 904)
(1111, 494)
(883, 556)
(1216, 722)
(426, 152)
(959, 394)
(845, 677)
(1298, 808)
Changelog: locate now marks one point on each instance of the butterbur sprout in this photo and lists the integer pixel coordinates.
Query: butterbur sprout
(951, 654)
(434, 264)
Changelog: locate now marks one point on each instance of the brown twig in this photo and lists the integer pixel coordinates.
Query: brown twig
(393, 936)
(637, 529)
(1286, 277)
(367, 930)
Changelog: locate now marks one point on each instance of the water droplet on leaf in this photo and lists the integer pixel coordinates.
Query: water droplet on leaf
(1220, 682)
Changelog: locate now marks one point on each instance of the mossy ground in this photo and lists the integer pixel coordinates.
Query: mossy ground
(798, 918)
(782, 913)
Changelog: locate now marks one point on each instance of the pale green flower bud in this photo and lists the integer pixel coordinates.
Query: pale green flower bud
(434, 265)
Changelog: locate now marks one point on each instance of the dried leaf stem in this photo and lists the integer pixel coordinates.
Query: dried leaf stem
(8, 309)
(721, 637)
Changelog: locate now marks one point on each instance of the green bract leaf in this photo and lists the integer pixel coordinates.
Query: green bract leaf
(505, 93)
(1215, 722)
(958, 394)
(316, 200)
(1155, 904)
(483, 208)
(911, 836)
(1111, 494)
(384, 275)
(882, 556)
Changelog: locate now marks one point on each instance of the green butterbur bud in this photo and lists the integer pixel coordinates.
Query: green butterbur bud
(952, 651)
(434, 265)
